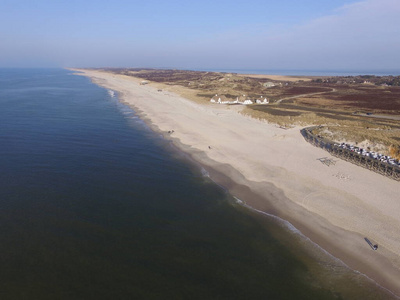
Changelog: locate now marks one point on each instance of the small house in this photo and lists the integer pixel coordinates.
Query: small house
(269, 84)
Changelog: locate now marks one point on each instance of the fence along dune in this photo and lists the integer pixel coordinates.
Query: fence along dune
(382, 167)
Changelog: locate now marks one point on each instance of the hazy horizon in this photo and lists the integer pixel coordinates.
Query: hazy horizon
(284, 72)
(343, 35)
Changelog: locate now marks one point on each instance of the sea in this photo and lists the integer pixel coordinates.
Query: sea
(95, 205)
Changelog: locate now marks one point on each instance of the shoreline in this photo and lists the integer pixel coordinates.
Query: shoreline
(280, 185)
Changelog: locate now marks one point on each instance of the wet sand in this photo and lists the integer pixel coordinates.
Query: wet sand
(275, 170)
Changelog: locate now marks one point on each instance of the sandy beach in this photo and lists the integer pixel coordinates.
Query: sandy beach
(275, 170)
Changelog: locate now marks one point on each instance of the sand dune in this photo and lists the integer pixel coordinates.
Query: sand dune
(336, 206)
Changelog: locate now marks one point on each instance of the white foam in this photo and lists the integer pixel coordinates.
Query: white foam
(111, 93)
(289, 226)
(294, 230)
(204, 172)
(238, 200)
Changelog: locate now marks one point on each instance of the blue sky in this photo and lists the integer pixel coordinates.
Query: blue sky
(218, 34)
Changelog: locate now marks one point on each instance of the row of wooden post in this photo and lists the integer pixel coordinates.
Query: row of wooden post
(375, 165)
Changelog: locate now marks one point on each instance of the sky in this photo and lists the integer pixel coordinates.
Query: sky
(207, 34)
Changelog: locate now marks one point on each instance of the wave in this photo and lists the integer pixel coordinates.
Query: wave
(111, 93)
(204, 172)
(289, 226)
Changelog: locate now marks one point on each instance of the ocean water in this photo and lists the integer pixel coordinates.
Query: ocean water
(94, 205)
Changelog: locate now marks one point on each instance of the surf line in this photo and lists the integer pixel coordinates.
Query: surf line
(294, 230)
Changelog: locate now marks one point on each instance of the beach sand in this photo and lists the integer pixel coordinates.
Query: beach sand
(277, 171)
